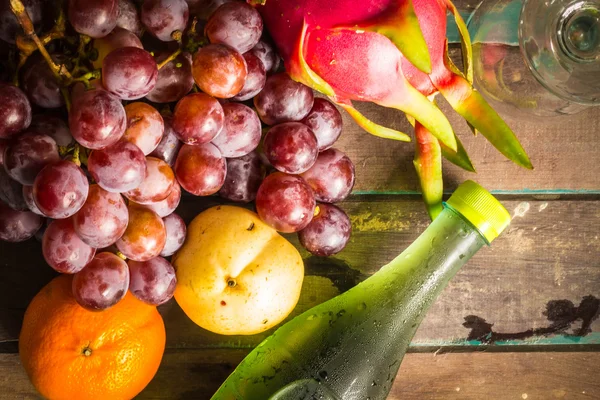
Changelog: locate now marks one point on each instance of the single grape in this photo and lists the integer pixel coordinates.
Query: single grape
(145, 126)
(325, 121)
(152, 281)
(118, 168)
(60, 189)
(18, 226)
(267, 54)
(145, 235)
(117, 39)
(219, 70)
(198, 118)
(53, 126)
(29, 201)
(63, 249)
(15, 111)
(157, 185)
(11, 192)
(40, 84)
(97, 119)
(283, 100)
(236, 24)
(169, 146)
(200, 169)
(129, 18)
(95, 18)
(102, 219)
(174, 80)
(168, 205)
(28, 154)
(10, 27)
(331, 177)
(285, 202)
(291, 147)
(328, 232)
(129, 73)
(241, 133)
(244, 176)
(102, 283)
(165, 19)
(176, 232)
(255, 79)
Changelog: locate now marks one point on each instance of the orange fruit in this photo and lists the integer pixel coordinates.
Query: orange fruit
(72, 353)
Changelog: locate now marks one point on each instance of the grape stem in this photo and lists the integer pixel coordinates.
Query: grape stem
(18, 9)
(169, 59)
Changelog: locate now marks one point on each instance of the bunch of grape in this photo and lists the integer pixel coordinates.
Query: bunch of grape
(109, 177)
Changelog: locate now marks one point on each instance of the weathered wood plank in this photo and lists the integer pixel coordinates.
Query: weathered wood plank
(196, 374)
(565, 152)
(545, 263)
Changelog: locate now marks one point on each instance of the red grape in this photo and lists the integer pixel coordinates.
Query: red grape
(244, 176)
(15, 111)
(285, 202)
(95, 18)
(267, 54)
(198, 118)
(283, 100)
(145, 126)
(156, 186)
(18, 226)
(53, 126)
(152, 281)
(40, 84)
(163, 18)
(10, 27)
(241, 133)
(291, 147)
(200, 169)
(236, 24)
(118, 168)
(11, 192)
(325, 121)
(60, 189)
(145, 235)
(102, 283)
(219, 70)
(255, 79)
(176, 231)
(174, 80)
(168, 205)
(29, 201)
(129, 73)
(102, 219)
(97, 119)
(328, 232)
(28, 154)
(63, 249)
(118, 38)
(331, 177)
(129, 18)
(169, 146)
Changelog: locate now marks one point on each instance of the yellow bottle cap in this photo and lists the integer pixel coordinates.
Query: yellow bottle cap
(481, 209)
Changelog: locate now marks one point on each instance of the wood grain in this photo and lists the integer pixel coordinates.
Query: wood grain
(547, 255)
(565, 152)
(196, 374)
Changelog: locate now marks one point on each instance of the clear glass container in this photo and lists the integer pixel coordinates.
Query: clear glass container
(537, 57)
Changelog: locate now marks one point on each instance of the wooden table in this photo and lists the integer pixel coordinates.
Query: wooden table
(519, 321)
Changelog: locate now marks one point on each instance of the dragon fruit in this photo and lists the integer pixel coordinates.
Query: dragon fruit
(392, 53)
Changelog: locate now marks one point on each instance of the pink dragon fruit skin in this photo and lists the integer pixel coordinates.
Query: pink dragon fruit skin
(393, 53)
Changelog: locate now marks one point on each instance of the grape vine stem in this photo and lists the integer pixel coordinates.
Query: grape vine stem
(169, 59)
(60, 71)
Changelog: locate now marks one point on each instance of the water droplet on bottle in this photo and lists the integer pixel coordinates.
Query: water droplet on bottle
(311, 317)
(373, 383)
(403, 321)
(323, 375)
(362, 306)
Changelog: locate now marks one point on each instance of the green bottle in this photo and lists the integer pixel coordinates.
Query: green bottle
(351, 346)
